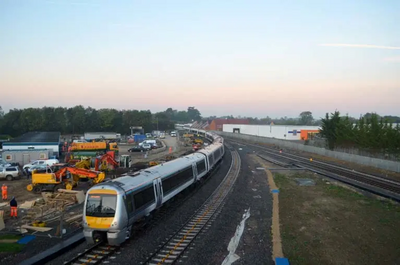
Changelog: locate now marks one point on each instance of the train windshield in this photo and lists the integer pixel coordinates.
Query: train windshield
(101, 205)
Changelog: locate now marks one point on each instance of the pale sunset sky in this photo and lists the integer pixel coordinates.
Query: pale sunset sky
(248, 58)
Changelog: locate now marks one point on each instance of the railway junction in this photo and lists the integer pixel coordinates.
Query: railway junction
(260, 206)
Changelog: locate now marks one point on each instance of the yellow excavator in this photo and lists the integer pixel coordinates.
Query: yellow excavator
(62, 176)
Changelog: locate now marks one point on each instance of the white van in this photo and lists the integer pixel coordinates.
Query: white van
(47, 162)
(152, 142)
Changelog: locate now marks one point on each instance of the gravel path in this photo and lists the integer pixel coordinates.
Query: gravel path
(251, 190)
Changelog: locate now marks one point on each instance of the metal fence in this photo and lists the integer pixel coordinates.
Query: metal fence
(363, 160)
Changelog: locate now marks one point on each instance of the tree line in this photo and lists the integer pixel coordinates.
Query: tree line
(78, 119)
(370, 132)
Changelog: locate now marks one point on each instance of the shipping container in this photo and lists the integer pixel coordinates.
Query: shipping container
(23, 157)
(139, 138)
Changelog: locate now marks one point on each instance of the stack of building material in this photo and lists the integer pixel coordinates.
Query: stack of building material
(53, 204)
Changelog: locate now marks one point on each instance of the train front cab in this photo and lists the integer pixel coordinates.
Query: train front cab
(101, 212)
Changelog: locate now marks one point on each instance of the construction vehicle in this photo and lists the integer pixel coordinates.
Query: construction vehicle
(93, 147)
(84, 163)
(196, 147)
(167, 158)
(103, 163)
(125, 161)
(188, 135)
(198, 141)
(62, 176)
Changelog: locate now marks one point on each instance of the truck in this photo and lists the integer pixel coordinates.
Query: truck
(94, 146)
(90, 136)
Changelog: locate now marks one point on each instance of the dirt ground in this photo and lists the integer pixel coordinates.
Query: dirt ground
(138, 157)
(330, 224)
(17, 188)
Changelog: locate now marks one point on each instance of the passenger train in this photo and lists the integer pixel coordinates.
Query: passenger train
(112, 207)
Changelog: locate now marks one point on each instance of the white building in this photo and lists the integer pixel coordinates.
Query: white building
(285, 132)
(35, 141)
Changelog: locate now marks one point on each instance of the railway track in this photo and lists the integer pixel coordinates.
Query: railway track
(170, 251)
(101, 251)
(93, 255)
(378, 185)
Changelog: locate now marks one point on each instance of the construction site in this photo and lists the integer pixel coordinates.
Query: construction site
(50, 197)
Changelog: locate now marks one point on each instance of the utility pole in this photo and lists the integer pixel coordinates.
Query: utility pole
(157, 124)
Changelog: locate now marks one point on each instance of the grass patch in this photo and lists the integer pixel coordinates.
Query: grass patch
(329, 224)
(10, 247)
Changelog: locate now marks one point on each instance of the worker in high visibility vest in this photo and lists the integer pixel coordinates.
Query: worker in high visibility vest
(14, 207)
(4, 191)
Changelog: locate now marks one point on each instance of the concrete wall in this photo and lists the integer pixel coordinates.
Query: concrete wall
(273, 131)
(362, 160)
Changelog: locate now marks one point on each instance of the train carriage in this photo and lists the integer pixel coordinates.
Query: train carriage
(112, 207)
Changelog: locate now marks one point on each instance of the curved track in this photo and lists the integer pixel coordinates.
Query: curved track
(378, 185)
(101, 251)
(171, 251)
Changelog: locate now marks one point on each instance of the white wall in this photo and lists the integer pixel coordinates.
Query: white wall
(22, 147)
(284, 132)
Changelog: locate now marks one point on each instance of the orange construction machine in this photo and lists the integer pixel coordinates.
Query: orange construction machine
(62, 176)
(104, 163)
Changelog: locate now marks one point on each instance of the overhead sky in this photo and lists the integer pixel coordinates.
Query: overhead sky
(248, 58)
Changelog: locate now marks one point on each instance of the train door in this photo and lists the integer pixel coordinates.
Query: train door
(195, 173)
(159, 194)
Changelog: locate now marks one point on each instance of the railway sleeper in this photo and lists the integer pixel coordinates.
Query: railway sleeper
(161, 256)
(180, 240)
(173, 247)
(165, 261)
(171, 252)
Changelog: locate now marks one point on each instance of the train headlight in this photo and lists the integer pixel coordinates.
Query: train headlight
(114, 223)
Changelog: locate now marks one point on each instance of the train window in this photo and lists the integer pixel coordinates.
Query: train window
(177, 179)
(211, 159)
(144, 197)
(128, 203)
(217, 153)
(101, 205)
(201, 166)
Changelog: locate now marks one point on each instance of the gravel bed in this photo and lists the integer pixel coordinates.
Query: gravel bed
(70, 254)
(147, 241)
(251, 190)
(39, 244)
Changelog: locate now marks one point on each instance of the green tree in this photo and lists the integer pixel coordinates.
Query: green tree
(76, 119)
(329, 128)
(306, 118)
(193, 114)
